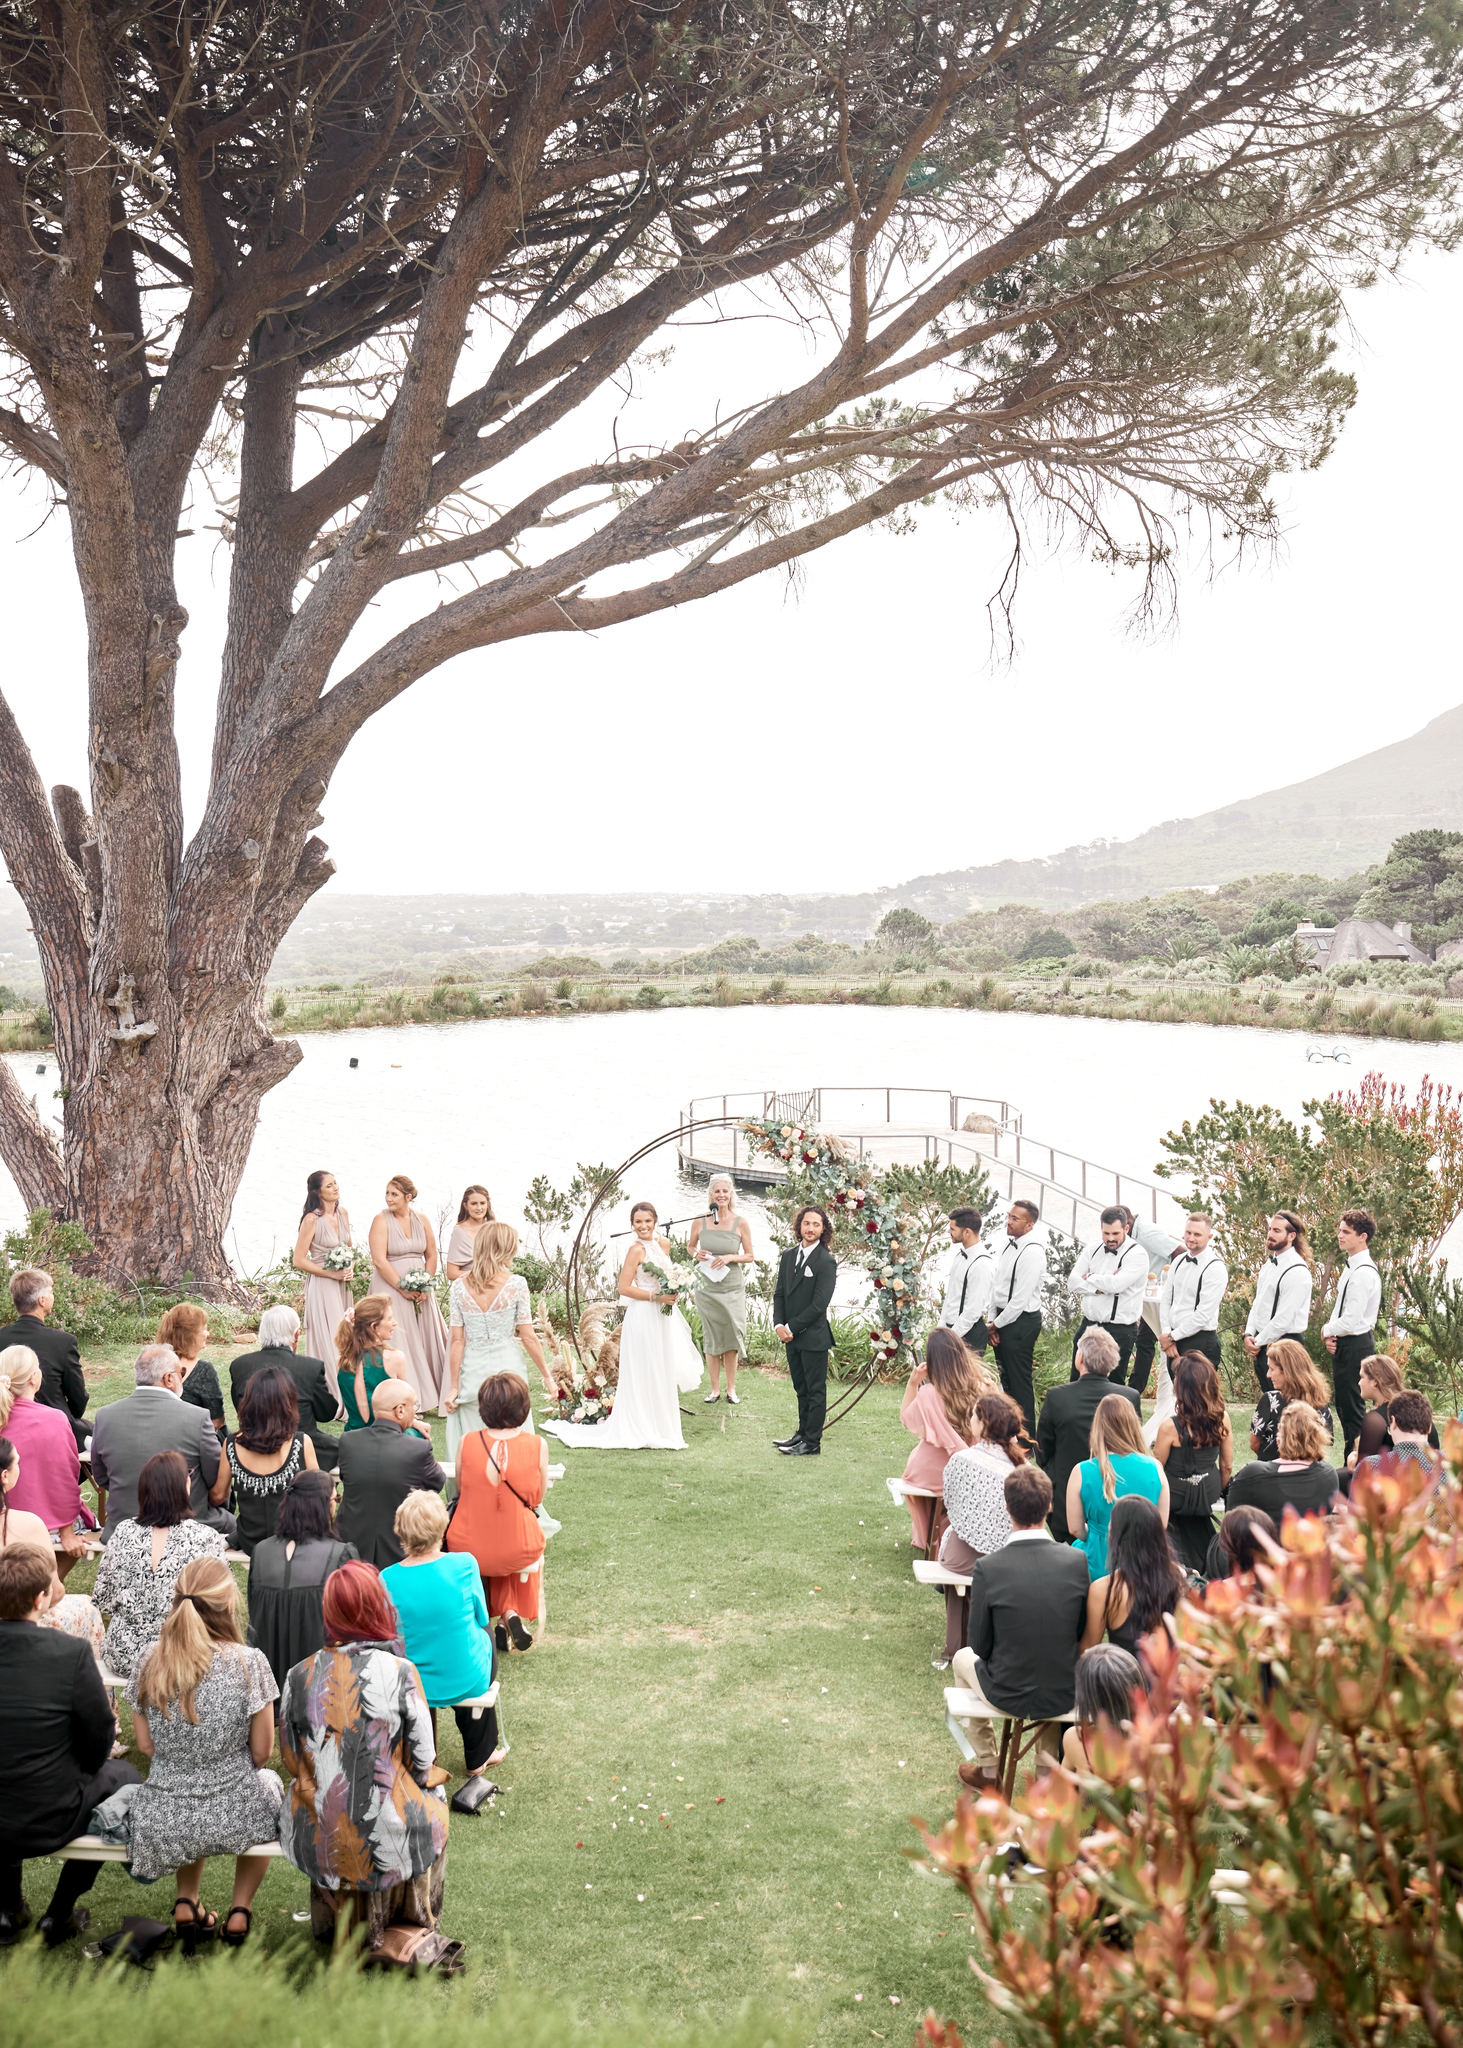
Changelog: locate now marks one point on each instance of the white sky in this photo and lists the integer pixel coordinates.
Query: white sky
(853, 732)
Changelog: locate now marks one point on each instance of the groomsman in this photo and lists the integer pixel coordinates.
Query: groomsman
(1016, 1299)
(806, 1276)
(1193, 1288)
(971, 1278)
(1282, 1292)
(1160, 1245)
(1350, 1335)
(1110, 1278)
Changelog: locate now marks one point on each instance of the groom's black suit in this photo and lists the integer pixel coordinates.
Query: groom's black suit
(801, 1304)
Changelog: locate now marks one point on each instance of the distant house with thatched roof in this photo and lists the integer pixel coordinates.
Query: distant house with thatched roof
(1358, 938)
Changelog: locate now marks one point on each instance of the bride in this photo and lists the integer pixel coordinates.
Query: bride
(658, 1358)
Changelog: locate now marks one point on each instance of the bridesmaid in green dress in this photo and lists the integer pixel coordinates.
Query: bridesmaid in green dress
(721, 1244)
(363, 1359)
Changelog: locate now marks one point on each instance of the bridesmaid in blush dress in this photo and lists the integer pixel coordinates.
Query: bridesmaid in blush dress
(323, 1226)
(476, 1210)
(403, 1241)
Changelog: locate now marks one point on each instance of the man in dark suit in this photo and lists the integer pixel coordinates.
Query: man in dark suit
(378, 1468)
(279, 1339)
(807, 1273)
(63, 1384)
(56, 1732)
(1028, 1608)
(1065, 1424)
(155, 1418)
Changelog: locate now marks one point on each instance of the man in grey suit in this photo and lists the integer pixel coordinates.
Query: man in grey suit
(378, 1468)
(155, 1418)
(1065, 1423)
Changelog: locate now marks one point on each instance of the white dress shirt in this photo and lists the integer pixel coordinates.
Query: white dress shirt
(1358, 1300)
(1110, 1280)
(1020, 1277)
(968, 1288)
(1282, 1297)
(1193, 1288)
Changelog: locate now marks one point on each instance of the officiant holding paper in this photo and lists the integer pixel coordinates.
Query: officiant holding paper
(721, 1244)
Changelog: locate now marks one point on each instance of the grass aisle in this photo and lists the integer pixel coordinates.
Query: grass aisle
(734, 1713)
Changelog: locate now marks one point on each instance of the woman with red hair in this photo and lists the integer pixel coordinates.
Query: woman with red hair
(354, 1722)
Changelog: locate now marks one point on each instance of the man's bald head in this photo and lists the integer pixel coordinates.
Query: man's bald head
(394, 1401)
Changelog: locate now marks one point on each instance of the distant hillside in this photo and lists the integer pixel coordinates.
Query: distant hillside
(1331, 824)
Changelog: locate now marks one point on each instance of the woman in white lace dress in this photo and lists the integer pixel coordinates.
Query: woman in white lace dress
(658, 1358)
(491, 1329)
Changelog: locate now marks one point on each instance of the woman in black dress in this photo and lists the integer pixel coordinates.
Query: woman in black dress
(261, 1460)
(1195, 1446)
(1143, 1584)
(288, 1570)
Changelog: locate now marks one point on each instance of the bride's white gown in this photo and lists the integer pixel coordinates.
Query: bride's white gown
(658, 1362)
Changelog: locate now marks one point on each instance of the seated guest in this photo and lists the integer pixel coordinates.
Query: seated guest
(1107, 1679)
(203, 1710)
(1301, 1481)
(1293, 1377)
(1121, 1463)
(378, 1468)
(155, 1418)
(1240, 1543)
(1410, 1425)
(72, 1613)
(185, 1330)
(359, 1821)
(56, 1732)
(364, 1358)
(444, 1624)
(263, 1455)
(1195, 1446)
(1143, 1584)
(975, 1501)
(1381, 1382)
(288, 1570)
(501, 1476)
(140, 1566)
(1028, 1606)
(1064, 1427)
(936, 1408)
(63, 1384)
(279, 1339)
(51, 1486)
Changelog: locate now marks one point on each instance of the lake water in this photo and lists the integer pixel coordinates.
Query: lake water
(506, 1099)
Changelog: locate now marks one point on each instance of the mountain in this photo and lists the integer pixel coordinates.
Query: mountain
(1331, 824)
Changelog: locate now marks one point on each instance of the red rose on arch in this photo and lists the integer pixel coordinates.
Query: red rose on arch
(872, 1229)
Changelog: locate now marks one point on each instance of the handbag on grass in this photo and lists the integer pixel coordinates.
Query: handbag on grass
(418, 1948)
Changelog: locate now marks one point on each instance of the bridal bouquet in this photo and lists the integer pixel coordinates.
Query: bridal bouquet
(339, 1259)
(414, 1286)
(662, 1282)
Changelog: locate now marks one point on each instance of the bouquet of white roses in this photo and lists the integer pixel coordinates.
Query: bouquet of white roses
(339, 1259)
(657, 1277)
(414, 1286)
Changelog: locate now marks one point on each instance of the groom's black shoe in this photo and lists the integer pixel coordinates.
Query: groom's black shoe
(802, 1450)
(785, 1443)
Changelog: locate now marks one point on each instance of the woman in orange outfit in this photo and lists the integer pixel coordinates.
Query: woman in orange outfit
(501, 1476)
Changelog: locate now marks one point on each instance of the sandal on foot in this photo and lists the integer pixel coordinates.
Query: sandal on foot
(711, 1398)
(234, 1937)
(522, 1640)
(201, 1925)
(735, 1399)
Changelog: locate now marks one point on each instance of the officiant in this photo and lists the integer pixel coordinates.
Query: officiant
(721, 1245)
(807, 1273)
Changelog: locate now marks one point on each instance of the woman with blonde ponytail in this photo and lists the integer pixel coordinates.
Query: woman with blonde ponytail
(1121, 1463)
(203, 1710)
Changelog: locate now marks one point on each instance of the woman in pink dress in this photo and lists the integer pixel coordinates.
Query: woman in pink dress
(323, 1226)
(937, 1408)
(49, 1482)
(402, 1241)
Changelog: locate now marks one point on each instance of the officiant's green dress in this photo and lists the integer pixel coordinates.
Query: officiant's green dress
(722, 1305)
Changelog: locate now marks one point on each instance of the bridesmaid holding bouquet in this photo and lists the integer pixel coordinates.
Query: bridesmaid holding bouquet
(476, 1210)
(403, 1246)
(324, 1230)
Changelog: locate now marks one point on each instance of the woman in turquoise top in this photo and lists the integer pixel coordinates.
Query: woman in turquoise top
(363, 1359)
(1121, 1463)
(444, 1624)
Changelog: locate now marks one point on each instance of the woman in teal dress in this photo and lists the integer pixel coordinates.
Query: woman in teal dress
(1121, 1463)
(721, 1245)
(363, 1358)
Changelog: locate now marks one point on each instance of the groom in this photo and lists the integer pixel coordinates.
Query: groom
(806, 1274)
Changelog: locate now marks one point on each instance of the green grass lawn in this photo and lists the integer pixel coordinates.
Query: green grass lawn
(716, 1748)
